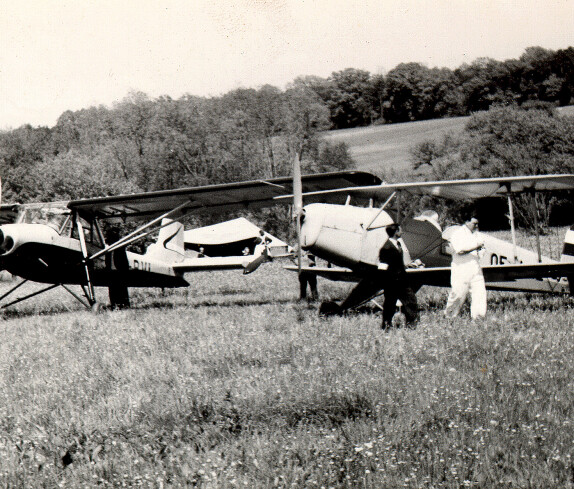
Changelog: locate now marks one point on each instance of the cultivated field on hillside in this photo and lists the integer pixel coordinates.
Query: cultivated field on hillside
(232, 383)
(386, 148)
(380, 149)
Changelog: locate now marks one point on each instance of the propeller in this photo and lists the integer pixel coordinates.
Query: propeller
(254, 265)
(298, 206)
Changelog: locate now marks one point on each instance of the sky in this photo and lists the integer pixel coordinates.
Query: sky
(58, 55)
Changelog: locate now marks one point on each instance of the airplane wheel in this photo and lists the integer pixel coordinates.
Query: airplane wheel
(96, 308)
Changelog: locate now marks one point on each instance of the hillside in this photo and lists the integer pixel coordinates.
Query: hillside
(387, 147)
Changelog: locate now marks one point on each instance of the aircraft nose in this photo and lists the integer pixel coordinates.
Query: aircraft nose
(310, 227)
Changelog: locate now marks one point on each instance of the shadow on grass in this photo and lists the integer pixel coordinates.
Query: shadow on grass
(212, 303)
(57, 309)
(52, 310)
(497, 302)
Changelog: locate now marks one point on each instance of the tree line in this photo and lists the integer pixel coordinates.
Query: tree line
(532, 139)
(412, 91)
(144, 144)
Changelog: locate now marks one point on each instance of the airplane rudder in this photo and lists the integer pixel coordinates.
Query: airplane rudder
(568, 256)
(174, 238)
(170, 242)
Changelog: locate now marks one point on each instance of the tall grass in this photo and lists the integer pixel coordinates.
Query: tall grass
(232, 383)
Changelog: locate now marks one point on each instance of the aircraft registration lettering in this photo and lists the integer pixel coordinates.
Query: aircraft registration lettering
(142, 265)
(500, 259)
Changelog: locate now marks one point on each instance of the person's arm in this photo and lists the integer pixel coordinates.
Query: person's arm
(470, 250)
(463, 244)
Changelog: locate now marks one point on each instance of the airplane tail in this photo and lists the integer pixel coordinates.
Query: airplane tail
(169, 244)
(568, 249)
(568, 255)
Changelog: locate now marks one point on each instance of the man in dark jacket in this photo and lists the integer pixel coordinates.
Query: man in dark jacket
(397, 283)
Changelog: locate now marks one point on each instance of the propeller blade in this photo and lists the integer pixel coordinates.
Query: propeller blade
(297, 187)
(298, 206)
(254, 265)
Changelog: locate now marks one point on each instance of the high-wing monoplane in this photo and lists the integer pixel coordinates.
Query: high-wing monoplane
(350, 238)
(235, 237)
(237, 241)
(65, 243)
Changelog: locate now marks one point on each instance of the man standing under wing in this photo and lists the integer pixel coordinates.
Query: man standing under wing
(391, 258)
(466, 274)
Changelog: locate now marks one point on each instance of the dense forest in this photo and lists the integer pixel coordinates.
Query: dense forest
(143, 144)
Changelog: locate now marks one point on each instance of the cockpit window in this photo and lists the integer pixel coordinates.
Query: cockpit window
(53, 216)
(58, 217)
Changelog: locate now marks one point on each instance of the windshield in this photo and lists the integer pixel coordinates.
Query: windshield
(50, 214)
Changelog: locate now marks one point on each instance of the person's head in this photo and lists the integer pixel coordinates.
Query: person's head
(471, 223)
(393, 230)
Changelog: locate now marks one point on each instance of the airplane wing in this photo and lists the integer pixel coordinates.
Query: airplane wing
(228, 238)
(493, 274)
(498, 276)
(212, 198)
(475, 188)
(226, 232)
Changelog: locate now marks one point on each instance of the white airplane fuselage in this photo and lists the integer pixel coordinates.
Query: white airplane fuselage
(344, 235)
(352, 237)
(37, 252)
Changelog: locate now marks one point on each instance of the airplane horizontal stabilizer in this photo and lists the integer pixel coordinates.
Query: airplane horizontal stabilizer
(336, 274)
(207, 263)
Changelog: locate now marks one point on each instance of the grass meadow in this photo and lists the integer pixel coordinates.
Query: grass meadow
(233, 383)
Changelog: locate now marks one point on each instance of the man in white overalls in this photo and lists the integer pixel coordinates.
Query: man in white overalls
(466, 274)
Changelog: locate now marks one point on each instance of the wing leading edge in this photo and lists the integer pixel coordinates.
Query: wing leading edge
(213, 199)
(476, 188)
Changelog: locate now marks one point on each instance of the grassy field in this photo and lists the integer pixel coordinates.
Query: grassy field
(386, 148)
(232, 383)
